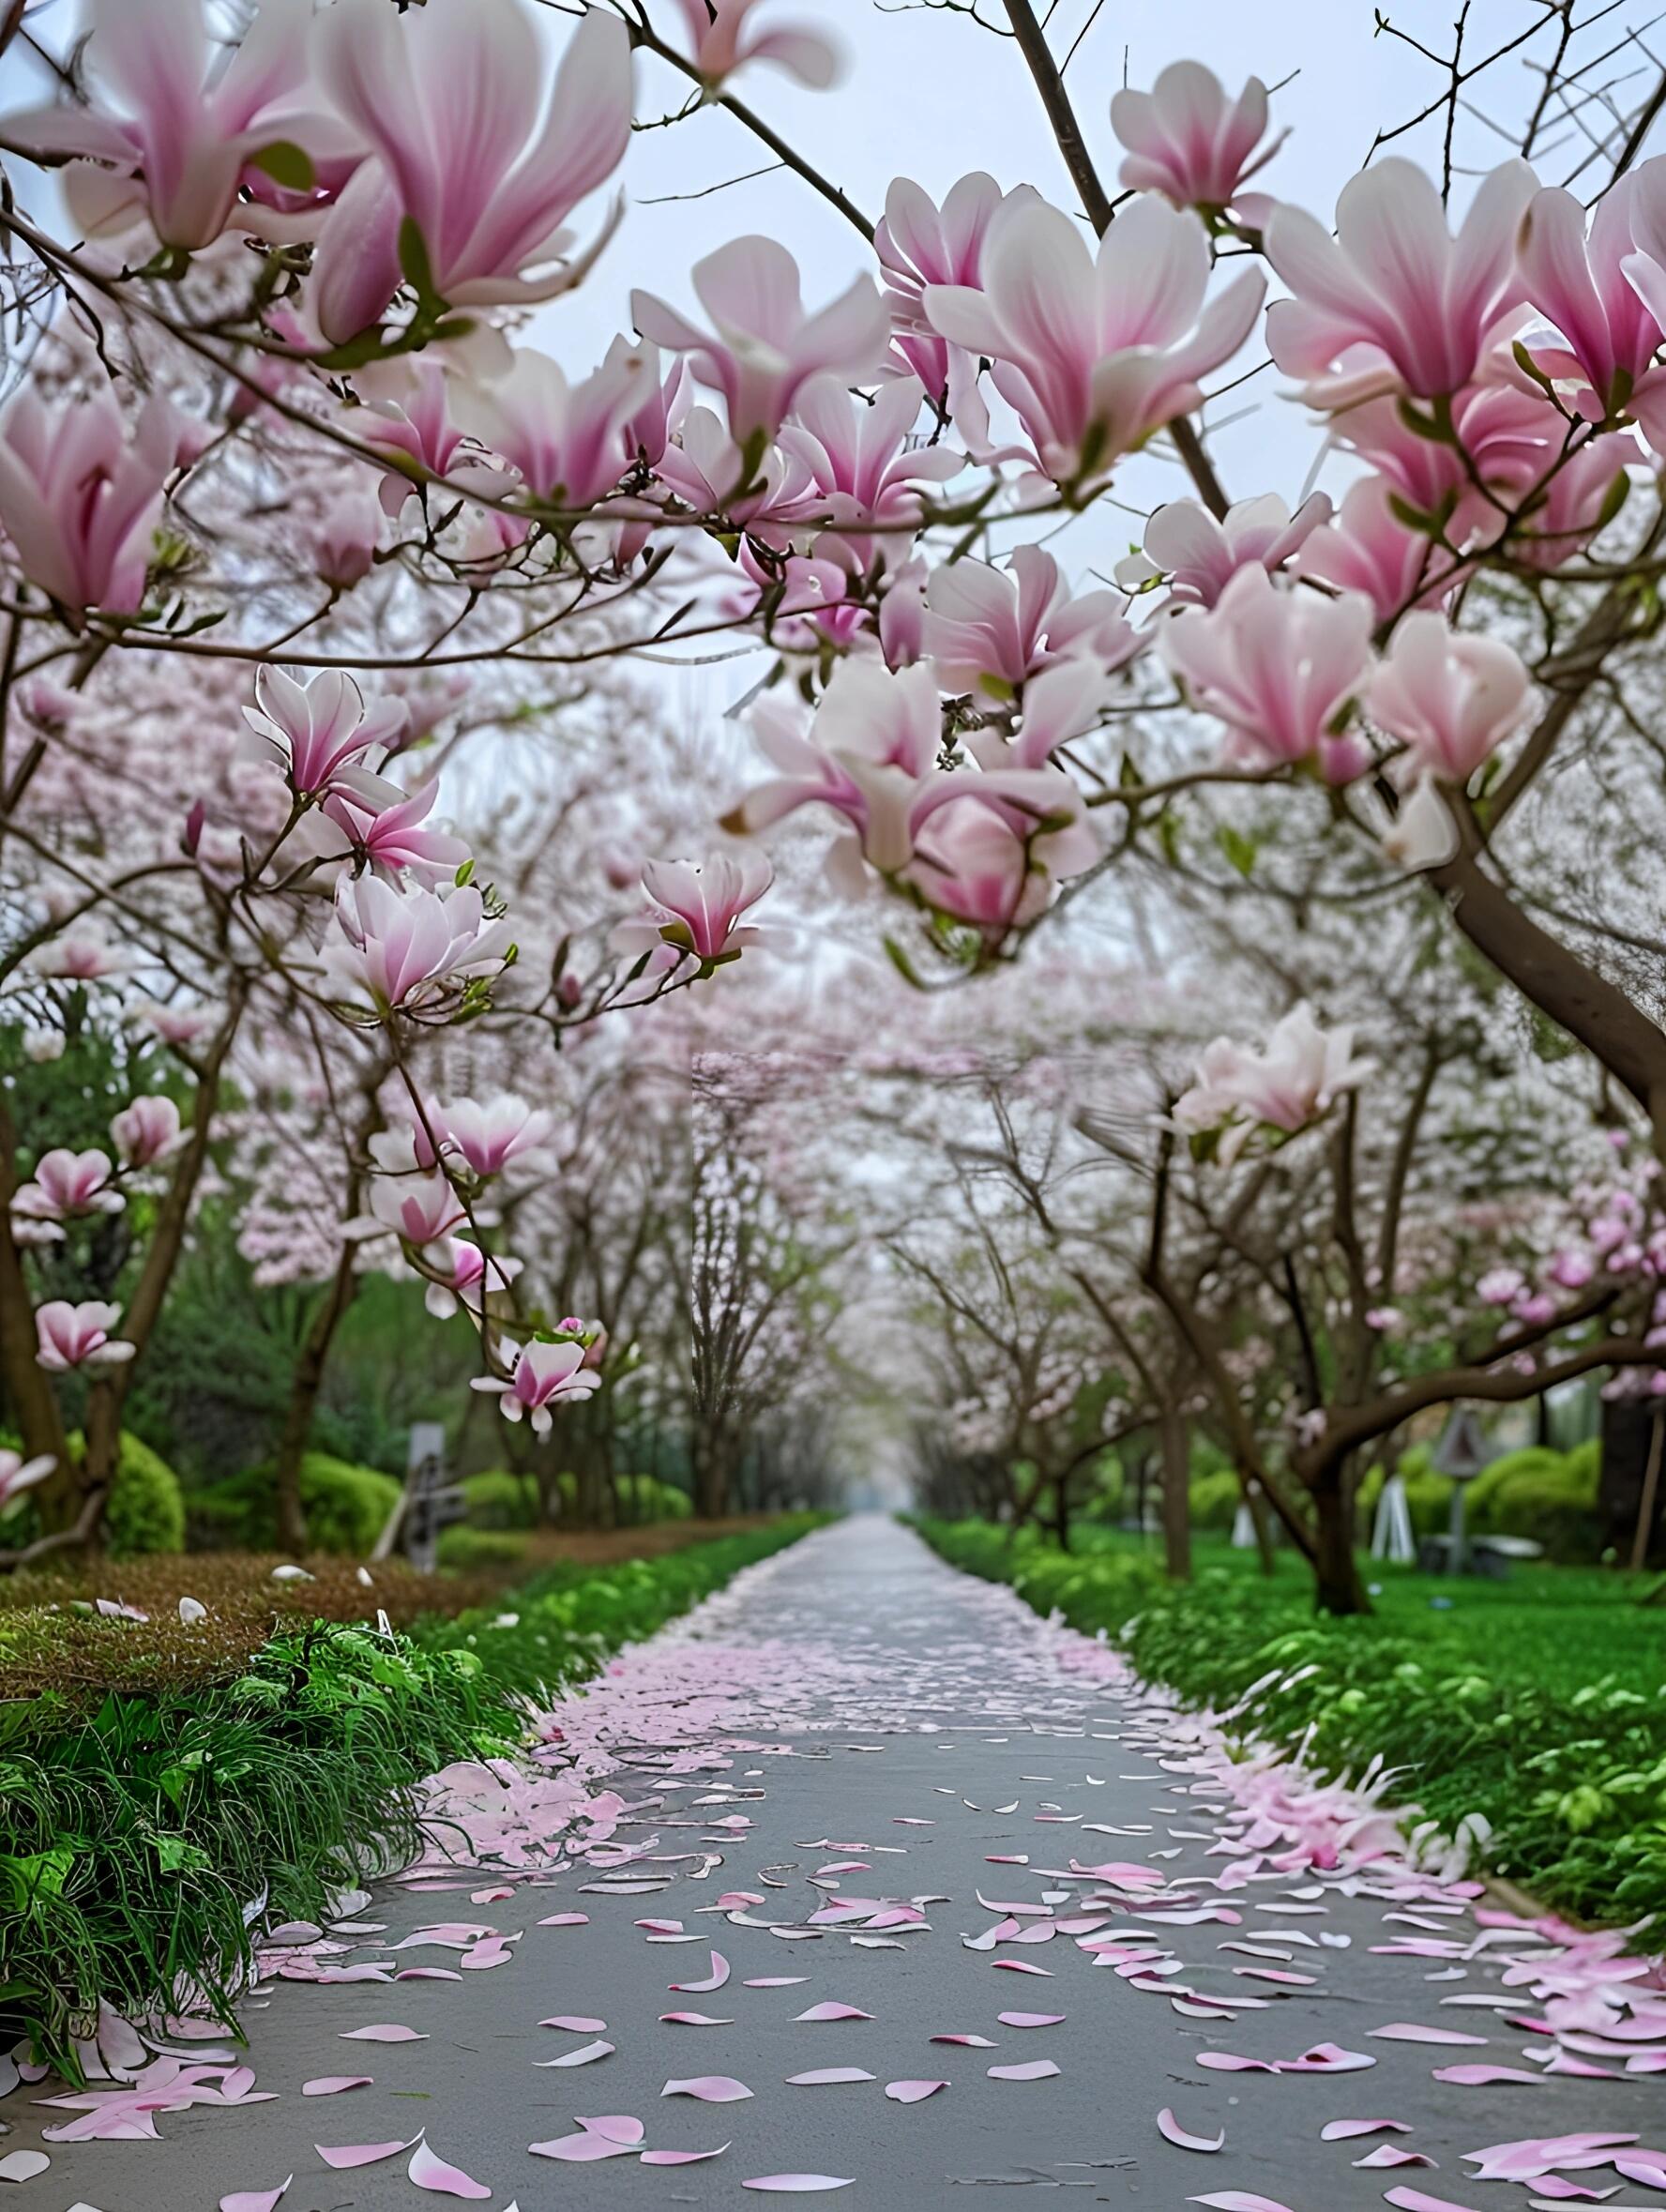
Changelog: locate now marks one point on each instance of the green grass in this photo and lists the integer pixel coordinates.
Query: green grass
(1539, 1702)
(135, 1831)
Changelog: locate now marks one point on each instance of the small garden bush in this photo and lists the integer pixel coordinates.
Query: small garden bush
(463, 1548)
(345, 1508)
(143, 1515)
(498, 1499)
(1215, 1499)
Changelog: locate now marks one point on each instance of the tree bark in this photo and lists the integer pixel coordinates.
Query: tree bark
(1176, 1496)
(1337, 1585)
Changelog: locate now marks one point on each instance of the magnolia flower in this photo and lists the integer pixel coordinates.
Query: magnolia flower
(1278, 666)
(1369, 550)
(79, 500)
(186, 120)
(491, 1137)
(544, 1375)
(1604, 296)
(192, 1611)
(78, 1336)
(1500, 1286)
(81, 955)
(477, 165)
(1394, 301)
(1452, 698)
(175, 1025)
(763, 348)
(321, 733)
(723, 43)
(1422, 834)
(1095, 355)
(1188, 141)
(1570, 1270)
(863, 471)
(698, 907)
(464, 1277)
(146, 1132)
(67, 1184)
(1199, 555)
(1304, 1070)
(989, 630)
(344, 542)
(18, 1475)
(920, 244)
(567, 440)
(406, 412)
(419, 1209)
(973, 865)
(406, 948)
(706, 469)
(384, 830)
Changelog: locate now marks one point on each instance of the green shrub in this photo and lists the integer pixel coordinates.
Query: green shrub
(465, 1547)
(500, 1500)
(1216, 1499)
(1551, 1496)
(1487, 1489)
(345, 1508)
(147, 1509)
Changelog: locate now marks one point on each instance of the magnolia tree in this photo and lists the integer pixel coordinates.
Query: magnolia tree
(283, 461)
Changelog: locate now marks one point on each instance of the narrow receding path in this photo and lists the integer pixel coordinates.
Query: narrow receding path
(931, 1840)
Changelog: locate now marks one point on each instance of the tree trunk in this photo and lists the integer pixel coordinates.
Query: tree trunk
(1176, 1496)
(1337, 1586)
(305, 1384)
(1262, 1520)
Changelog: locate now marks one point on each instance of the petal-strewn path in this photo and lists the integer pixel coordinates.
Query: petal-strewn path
(930, 1840)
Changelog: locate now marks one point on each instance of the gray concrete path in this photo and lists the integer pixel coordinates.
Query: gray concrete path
(862, 1742)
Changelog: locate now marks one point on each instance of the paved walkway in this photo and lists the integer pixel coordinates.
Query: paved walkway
(930, 1840)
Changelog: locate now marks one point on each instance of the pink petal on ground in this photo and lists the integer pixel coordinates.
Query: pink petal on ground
(709, 2088)
(798, 2185)
(241, 2200)
(1414, 2200)
(427, 1974)
(714, 1981)
(333, 2084)
(681, 2158)
(823, 2076)
(1037, 2070)
(1484, 2076)
(576, 2023)
(585, 2055)
(1030, 2020)
(584, 2148)
(1239, 2200)
(565, 1920)
(1388, 2153)
(1570, 2192)
(1325, 2058)
(913, 2092)
(615, 2128)
(969, 2043)
(1021, 1966)
(1345, 2131)
(694, 2020)
(1228, 2062)
(1405, 2031)
(1182, 2138)
(833, 2009)
(360, 2154)
(428, 2170)
(776, 1981)
(387, 2032)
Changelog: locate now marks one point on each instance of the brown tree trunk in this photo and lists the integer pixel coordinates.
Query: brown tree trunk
(305, 1384)
(1337, 1585)
(1176, 1496)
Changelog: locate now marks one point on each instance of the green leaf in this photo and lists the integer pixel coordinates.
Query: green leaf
(1239, 850)
(286, 164)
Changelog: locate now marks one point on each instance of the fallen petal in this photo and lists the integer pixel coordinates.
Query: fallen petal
(1182, 2138)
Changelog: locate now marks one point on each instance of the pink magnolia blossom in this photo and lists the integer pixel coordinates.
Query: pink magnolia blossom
(464, 1277)
(543, 1376)
(1095, 355)
(176, 1025)
(567, 440)
(407, 412)
(344, 542)
(18, 1475)
(723, 41)
(920, 244)
(1278, 666)
(81, 955)
(977, 865)
(419, 1209)
(322, 733)
(706, 468)
(1452, 698)
(1572, 1269)
(763, 348)
(1199, 557)
(491, 1137)
(698, 906)
(1394, 301)
(1302, 1073)
(146, 1132)
(472, 152)
(78, 1336)
(79, 500)
(1188, 141)
(1422, 834)
(987, 630)
(386, 831)
(65, 1187)
(1368, 549)
(864, 475)
(407, 950)
(1585, 286)
(184, 119)
(1500, 1286)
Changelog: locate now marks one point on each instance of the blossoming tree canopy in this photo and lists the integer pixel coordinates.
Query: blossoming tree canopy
(283, 448)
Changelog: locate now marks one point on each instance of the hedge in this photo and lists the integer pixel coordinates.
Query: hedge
(145, 1512)
(133, 1835)
(345, 1508)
